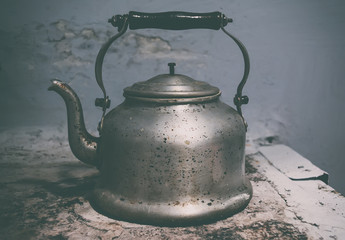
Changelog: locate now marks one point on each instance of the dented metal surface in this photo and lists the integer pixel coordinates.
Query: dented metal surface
(172, 164)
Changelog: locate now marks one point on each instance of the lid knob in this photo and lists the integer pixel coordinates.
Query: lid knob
(172, 68)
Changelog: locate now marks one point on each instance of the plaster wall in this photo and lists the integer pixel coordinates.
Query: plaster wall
(296, 85)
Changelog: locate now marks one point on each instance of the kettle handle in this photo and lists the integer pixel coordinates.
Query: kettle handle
(169, 21)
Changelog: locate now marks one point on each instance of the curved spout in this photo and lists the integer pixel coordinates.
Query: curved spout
(83, 144)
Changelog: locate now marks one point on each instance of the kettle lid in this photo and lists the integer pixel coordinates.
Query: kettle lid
(173, 87)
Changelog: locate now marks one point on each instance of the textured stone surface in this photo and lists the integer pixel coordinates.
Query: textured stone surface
(44, 192)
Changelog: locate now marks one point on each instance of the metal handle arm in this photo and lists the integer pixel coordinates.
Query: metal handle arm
(239, 100)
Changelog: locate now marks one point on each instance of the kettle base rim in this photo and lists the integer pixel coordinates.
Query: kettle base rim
(170, 214)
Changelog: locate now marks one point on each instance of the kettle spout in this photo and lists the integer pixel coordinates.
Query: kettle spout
(83, 144)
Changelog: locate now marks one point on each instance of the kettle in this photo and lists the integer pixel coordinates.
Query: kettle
(172, 154)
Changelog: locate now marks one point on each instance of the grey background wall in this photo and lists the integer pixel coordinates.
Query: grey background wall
(296, 85)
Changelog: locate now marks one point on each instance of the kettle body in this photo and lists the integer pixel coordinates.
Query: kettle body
(172, 164)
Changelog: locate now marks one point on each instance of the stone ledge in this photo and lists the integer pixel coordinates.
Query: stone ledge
(44, 192)
(292, 164)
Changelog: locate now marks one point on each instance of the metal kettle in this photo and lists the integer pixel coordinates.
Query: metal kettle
(172, 154)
